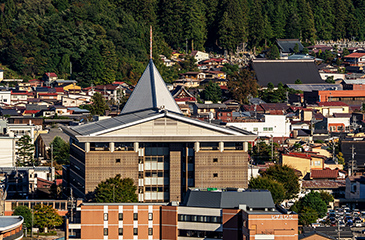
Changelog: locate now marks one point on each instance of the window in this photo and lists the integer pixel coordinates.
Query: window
(150, 231)
(150, 216)
(255, 129)
(120, 216)
(105, 232)
(135, 231)
(317, 163)
(135, 216)
(215, 159)
(120, 231)
(215, 175)
(117, 160)
(105, 217)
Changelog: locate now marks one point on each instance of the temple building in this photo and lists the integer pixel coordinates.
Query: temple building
(152, 142)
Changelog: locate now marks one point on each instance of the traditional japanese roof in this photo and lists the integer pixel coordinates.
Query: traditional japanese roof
(286, 71)
(332, 104)
(150, 93)
(325, 173)
(312, 233)
(355, 55)
(288, 45)
(323, 184)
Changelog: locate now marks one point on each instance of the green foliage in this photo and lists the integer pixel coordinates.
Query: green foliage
(296, 48)
(46, 217)
(230, 69)
(286, 176)
(262, 152)
(330, 80)
(108, 40)
(25, 212)
(212, 92)
(326, 197)
(277, 189)
(61, 151)
(340, 158)
(305, 51)
(298, 81)
(274, 53)
(345, 52)
(99, 105)
(116, 190)
(310, 208)
(25, 151)
(279, 95)
(242, 84)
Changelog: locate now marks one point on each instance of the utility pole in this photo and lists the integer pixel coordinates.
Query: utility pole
(51, 161)
(272, 148)
(352, 161)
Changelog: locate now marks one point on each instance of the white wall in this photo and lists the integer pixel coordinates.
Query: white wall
(5, 97)
(275, 125)
(7, 151)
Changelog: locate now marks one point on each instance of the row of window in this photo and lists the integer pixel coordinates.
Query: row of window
(120, 231)
(200, 234)
(199, 218)
(135, 216)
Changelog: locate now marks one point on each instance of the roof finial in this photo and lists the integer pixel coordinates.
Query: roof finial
(150, 41)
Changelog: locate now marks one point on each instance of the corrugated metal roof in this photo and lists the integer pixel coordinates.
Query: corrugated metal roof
(230, 199)
(150, 93)
(315, 87)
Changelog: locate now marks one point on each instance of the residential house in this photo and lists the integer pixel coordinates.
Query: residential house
(270, 125)
(225, 115)
(339, 122)
(17, 97)
(187, 82)
(355, 191)
(34, 83)
(304, 162)
(215, 75)
(327, 232)
(327, 174)
(49, 77)
(74, 101)
(329, 108)
(199, 56)
(334, 187)
(315, 235)
(5, 98)
(72, 88)
(44, 140)
(355, 62)
(205, 108)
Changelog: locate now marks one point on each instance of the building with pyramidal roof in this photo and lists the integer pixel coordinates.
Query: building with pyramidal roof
(152, 142)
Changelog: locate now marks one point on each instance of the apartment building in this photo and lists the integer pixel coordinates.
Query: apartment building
(152, 142)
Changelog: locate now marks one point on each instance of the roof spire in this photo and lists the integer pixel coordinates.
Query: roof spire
(150, 41)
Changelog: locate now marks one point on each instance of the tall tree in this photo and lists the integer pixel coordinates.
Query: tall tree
(99, 105)
(285, 175)
(61, 151)
(212, 92)
(25, 212)
(115, 190)
(277, 189)
(46, 217)
(242, 84)
(340, 11)
(233, 25)
(25, 151)
(256, 25)
(195, 24)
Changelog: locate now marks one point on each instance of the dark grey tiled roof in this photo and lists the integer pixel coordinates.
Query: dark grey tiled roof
(7, 221)
(287, 45)
(256, 199)
(286, 71)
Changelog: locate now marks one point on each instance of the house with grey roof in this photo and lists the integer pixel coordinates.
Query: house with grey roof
(152, 142)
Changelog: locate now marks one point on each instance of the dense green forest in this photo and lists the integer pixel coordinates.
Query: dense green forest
(107, 40)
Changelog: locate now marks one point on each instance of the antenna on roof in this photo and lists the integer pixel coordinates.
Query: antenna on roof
(150, 41)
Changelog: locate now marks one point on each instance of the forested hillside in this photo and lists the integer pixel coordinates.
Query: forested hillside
(107, 40)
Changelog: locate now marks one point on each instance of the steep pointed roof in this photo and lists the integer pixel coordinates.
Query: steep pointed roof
(150, 93)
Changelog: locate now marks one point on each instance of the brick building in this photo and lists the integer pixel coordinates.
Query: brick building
(217, 214)
(152, 142)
